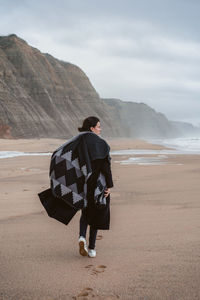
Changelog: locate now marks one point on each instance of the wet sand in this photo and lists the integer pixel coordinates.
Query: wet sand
(151, 251)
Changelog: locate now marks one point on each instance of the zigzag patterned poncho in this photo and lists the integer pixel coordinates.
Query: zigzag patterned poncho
(70, 168)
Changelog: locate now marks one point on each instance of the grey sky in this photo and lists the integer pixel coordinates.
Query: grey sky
(143, 51)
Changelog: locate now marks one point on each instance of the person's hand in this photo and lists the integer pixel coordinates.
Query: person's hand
(106, 192)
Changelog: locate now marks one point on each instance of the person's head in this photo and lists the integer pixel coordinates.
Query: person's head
(91, 124)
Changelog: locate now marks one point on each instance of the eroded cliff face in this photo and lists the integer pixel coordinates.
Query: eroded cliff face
(141, 121)
(41, 96)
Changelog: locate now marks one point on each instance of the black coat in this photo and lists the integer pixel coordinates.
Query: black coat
(98, 218)
(59, 210)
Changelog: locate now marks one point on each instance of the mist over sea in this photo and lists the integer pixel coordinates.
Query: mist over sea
(185, 145)
(177, 146)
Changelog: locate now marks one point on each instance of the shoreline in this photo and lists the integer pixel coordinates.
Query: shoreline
(131, 151)
(48, 145)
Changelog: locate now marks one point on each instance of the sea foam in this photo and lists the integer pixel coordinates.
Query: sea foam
(8, 154)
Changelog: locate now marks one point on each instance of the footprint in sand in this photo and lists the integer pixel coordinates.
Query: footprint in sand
(85, 294)
(88, 266)
(88, 293)
(99, 237)
(96, 270)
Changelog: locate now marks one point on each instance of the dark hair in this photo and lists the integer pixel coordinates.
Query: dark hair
(87, 123)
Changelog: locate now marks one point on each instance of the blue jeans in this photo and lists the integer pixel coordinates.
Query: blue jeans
(83, 230)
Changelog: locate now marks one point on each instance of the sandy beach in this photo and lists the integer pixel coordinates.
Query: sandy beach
(151, 251)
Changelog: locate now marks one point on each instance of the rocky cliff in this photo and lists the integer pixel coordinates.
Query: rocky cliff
(186, 129)
(140, 120)
(41, 96)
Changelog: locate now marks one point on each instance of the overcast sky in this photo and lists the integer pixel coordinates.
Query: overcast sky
(142, 51)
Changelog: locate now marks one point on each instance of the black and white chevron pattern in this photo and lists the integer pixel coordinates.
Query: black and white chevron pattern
(70, 170)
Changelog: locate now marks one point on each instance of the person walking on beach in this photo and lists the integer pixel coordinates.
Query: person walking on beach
(96, 218)
(80, 179)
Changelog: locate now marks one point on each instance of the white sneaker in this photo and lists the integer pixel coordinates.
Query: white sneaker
(92, 253)
(82, 246)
